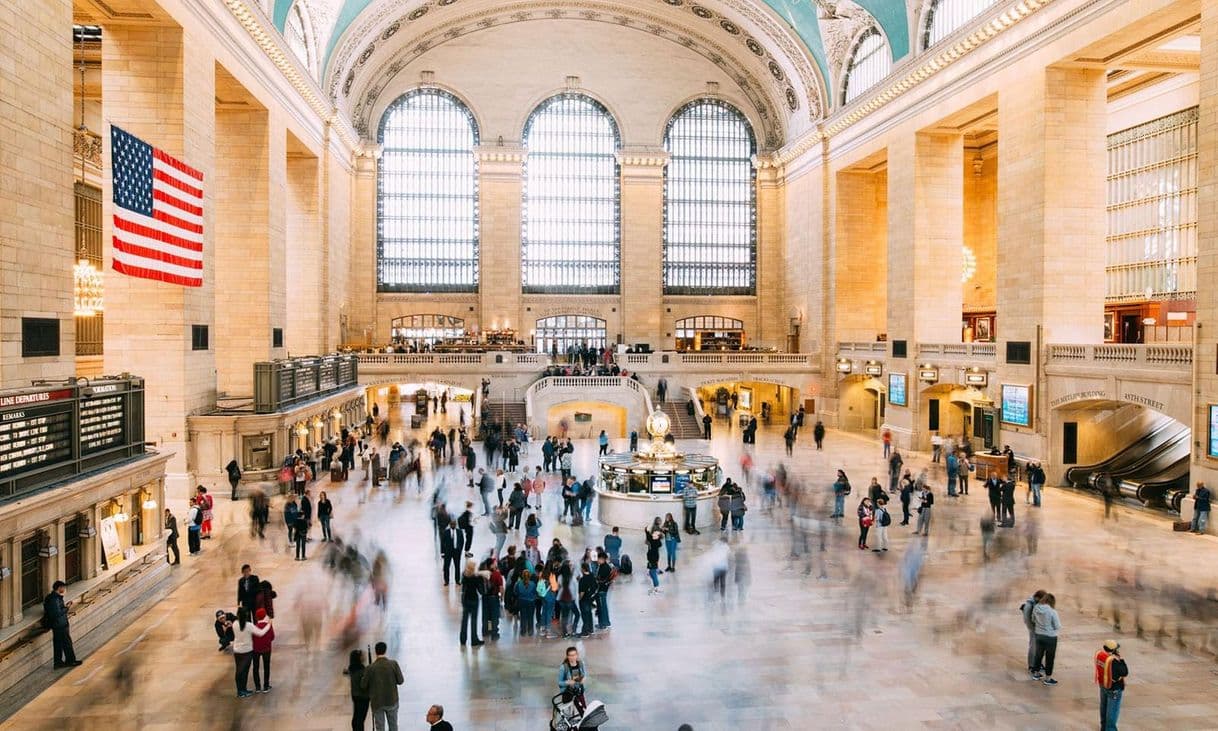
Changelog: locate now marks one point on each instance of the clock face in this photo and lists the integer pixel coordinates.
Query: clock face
(657, 423)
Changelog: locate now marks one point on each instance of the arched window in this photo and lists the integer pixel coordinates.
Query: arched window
(427, 195)
(571, 217)
(710, 211)
(709, 332)
(870, 62)
(294, 33)
(945, 16)
(556, 334)
(427, 329)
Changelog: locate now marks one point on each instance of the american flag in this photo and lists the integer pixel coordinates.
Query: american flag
(158, 213)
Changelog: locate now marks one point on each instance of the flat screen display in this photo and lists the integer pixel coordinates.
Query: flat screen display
(1016, 405)
(896, 390)
(1213, 448)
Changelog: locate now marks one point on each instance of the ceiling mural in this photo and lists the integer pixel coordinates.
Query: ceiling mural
(785, 55)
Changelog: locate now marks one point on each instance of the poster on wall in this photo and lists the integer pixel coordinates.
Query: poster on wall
(108, 532)
(1213, 449)
(1016, 405)
(896, 389)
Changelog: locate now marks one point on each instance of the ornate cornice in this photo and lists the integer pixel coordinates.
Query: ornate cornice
(88, 147)
(510, 153)
(643, 157)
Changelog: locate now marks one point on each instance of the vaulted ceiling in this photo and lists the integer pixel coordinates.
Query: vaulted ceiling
(782, 54)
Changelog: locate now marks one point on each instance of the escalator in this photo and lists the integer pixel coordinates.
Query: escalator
(1154, 469)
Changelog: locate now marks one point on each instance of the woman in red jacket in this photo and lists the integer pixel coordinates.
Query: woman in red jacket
(262, 652)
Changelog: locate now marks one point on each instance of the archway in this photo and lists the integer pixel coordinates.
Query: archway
(862, 402)
(947, 409)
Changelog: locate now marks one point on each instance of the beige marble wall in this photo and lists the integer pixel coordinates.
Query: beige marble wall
(305, 274)
(981, 227)
(37, 248)
(642, 316)
(158, 82)
(860, 255)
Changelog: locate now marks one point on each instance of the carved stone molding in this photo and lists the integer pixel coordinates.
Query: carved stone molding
(509, 153)
(643, 157)
(88, 147)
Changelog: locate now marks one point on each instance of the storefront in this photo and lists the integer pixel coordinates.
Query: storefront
(709, 332)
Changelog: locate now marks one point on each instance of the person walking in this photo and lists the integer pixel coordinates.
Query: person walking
(499, 528)
(465, 522)
(234, 476)
(818, 434)
(325, 513)
(262, 652)
(300, 531)
(924, 511)
(1201, 508)
(472, 589)
(603, 441)
(359, 696)
(452, 542)
(654, 537)
(881, 521)
(689, 507)
(244, 632)
(886, 438)
(1110, 674)
(672, 540)
(171, 543)
(1026, 609)
(866, 520)
(380, 681)
(1047, 625)
(517, 501)
(55, 618)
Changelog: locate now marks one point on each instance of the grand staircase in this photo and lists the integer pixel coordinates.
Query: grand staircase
(684, 426)
(512, 412)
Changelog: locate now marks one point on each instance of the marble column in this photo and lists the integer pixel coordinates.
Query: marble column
(500, 186)
(362, 309)
(642, 283)
(773, 321)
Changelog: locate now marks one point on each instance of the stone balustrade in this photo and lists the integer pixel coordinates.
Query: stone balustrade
(867, 347)
(1171, 356)
(958, 351)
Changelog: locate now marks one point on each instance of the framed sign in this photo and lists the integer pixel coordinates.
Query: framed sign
(1212, 450)
(1017, 405)
(896, 389)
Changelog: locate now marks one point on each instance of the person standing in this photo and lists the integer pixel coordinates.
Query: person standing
(492, 599)
(963, 468)
(907, 490)
(654, 539)
(706, 426)
(841, 488)
(262, 652)
(895, 462)
(866, 520)
(325, 512)
(234, 476)
(435, 718)
(171, 543)
(881, 522)
(359, 696)
(953, 470)
(1047, 624)
(993, 488)
(55, 618)
(452, 542)
(1026, 609)
(1110, 673)
(886, 438)
(924, 511)
(244, 633)
(603, 441)
(525, 590)
(472, 589)
(207, 503)
(613, 546)
(1201, 508)
(306, 512)
(604, 580)
(936, 452)
(1008, 504)
(247, 588)
(587, 597)
(465, 522)
(689, 506)
(1036, 482)
(818, 434)
(194, 523)
(300, 531)
(672, 540)
(380, 681)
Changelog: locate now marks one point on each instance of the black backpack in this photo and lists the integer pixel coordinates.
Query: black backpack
(199, 515)
(885, 518)
(627, 565)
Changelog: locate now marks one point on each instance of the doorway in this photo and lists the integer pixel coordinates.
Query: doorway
(1070, 442)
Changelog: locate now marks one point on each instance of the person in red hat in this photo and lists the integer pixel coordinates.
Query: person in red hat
(262, 652)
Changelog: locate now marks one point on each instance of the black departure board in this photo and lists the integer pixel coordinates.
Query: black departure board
(306, 382)
(50, 434)
(283, 383)
(35, 436)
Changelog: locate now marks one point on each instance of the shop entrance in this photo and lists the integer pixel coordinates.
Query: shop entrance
(862, 403)
(769, 402)
(710, 332)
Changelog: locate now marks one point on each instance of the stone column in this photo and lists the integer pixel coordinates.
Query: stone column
(500, 186)
(925, 236)
(58, 532)
(36, 221)
(1051, 225)
(362, 308)
(773, 323)
(1205, 467)
(642, 288)
(158, 83)
(88, 545)
(306, 264)
(9, 587)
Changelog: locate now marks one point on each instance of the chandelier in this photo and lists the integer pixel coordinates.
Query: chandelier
(86, 289)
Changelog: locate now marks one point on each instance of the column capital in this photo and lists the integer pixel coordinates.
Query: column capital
(366, 157)
(643, 164)
(503, 161)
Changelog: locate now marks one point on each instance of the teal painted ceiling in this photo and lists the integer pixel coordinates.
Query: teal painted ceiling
(800, 15)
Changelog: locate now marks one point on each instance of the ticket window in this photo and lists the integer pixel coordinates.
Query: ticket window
(31, 573)
(257, 452)
(73, 564)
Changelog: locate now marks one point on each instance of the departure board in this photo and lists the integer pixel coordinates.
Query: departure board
(102, 423)
(34, 437)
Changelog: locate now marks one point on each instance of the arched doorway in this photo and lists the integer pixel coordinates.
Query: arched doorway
(557, 333)
(863, 401)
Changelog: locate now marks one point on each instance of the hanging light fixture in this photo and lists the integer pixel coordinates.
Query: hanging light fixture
(87, 283)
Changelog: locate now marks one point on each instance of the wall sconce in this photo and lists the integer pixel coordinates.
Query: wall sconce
(150, 504)
(874, 368)
(5, 572)
(318, 423)
(928, 373)
(46, 549)
(844, 365)
(336, 414)
(302, 430)
(87, 530)
(976, 377)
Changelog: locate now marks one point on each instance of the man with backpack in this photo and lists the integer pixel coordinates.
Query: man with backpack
(882, 521)
(606, 574)
(1110, 673)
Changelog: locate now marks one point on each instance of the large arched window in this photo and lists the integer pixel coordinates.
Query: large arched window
(710, 212)
(427, 329)
(427, 195)
(571, 222)
(296, 36)
(869, 62)
(945, 16)
(556, 334)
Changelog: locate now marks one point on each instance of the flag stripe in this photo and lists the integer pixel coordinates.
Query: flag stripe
(187, 211)
(177, 164)
(174, 173)
(172, 220)
(152, 232)
(158, 254)
(159, 174)
(146, 273)
(167, 267)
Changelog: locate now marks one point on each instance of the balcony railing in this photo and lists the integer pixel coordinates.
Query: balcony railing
(955, 351)
(1170, 356)
(533, 360)
(590, 385)
(869, 346)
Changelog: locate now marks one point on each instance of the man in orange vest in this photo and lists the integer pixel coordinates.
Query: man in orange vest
(1110, 672)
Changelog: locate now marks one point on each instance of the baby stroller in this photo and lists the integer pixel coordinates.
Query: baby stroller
(568, 718)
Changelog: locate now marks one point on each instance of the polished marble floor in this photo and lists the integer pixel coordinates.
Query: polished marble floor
(831, 642)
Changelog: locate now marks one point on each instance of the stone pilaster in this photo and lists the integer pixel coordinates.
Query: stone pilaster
(306, 264)
(37, 249)
(642, 309)
(772, 320)
(860, 258)
(158, 83)
(500, 189)
(363, 310)
(1206, 386)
